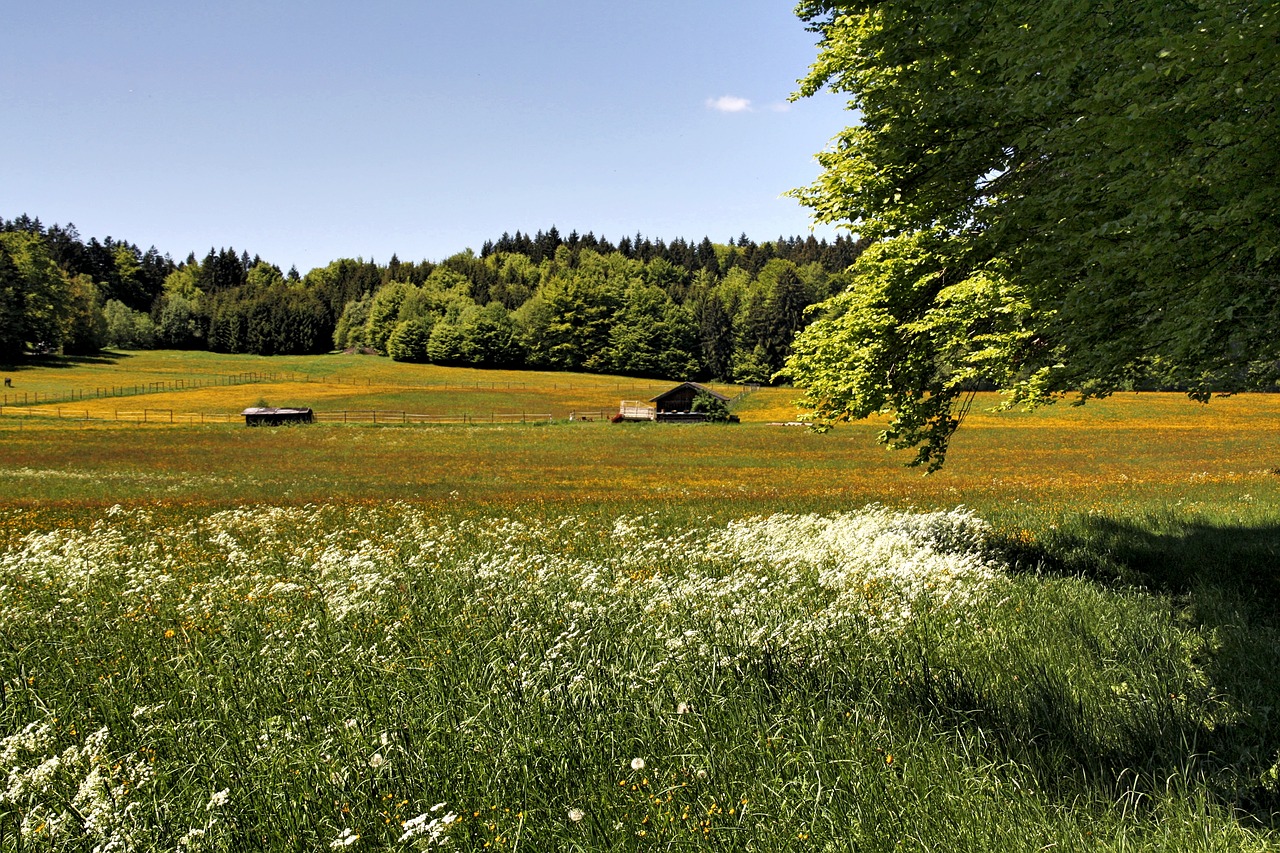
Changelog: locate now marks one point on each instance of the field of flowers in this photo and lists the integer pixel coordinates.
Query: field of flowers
(393, 675)
(581, 636)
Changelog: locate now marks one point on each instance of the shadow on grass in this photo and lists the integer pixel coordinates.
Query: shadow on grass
(1223, 579)
(1178, 557)
(31, 361)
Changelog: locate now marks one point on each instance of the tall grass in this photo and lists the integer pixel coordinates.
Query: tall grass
(292, 678)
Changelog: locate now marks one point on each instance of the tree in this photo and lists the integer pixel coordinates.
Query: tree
(408, 341)
(651, 335)
(352, 327)
(1066, 198)
(35, 297)
(12, 307)
(490, 337)
(85, 327)
(126, 328)
(713, 327)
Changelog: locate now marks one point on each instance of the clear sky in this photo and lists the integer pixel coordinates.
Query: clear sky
(309, 131)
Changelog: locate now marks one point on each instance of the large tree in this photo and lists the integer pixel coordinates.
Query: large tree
(35, 297)
(1066, 197)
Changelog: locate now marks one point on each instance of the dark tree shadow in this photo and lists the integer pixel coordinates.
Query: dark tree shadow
(32, 361)
(1239, 561)
(1223, 578)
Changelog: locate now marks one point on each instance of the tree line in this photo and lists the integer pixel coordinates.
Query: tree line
(640, 306)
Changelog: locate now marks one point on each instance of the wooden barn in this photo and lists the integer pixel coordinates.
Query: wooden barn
(261, 416)
(673, 405)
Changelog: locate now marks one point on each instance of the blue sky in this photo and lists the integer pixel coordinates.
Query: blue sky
(306, 132)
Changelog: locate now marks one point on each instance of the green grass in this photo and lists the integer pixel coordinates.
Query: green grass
(335, 668)
(343, 626)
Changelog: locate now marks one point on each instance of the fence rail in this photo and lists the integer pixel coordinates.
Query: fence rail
(36, 398)
(170, 416)
(142, 416)
(415, 418)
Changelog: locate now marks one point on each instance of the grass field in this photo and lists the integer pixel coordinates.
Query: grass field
(630, 637)
(214, 384)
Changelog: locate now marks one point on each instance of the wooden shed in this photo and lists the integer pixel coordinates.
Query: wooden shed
(679, 400)
(263, 416)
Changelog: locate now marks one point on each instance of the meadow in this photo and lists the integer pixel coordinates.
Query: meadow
(587, 636)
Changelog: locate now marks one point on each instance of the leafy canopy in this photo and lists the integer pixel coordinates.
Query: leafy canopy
(1066, 196)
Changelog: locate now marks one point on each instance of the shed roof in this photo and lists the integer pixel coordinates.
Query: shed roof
(697, 389)
(271, 410)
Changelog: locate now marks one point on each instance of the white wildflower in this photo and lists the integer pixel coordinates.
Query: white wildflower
(345, 839)
(433, 831)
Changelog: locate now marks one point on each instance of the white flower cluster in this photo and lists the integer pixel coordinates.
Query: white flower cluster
(879, 562)
(587, 609)
(427, 831)
(76, 793)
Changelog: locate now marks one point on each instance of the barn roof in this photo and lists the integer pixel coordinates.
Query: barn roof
(697, 389)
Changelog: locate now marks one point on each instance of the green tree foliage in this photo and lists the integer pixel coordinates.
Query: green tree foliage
(1067, 198)
(651, 335)
(35, 297)
(126, 328)
(408, 340)
(352, 328)
(12, 306)
(568, 322)
(384, 314)
(716, 410)
(85, 328)
(445, 345)
(771, 311)
(269, 316)
(713, 326)
(343, 280)
(490, 337)
(645, 307)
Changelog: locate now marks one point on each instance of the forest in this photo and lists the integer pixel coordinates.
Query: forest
(640, 306)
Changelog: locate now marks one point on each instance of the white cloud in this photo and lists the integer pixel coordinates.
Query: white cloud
(729, 104)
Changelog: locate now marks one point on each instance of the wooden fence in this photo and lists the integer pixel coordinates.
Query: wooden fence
(36, 398)
(170, 416)
(349, 417)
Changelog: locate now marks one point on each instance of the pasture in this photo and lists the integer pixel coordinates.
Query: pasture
(580, 635)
